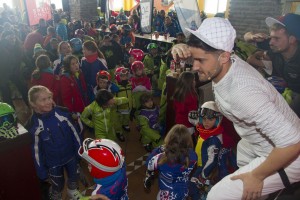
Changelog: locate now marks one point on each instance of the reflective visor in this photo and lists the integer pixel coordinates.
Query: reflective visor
(208, 113)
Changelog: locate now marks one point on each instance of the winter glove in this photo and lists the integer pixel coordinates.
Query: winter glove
(148, 179)
(132, 112)
(193, 117)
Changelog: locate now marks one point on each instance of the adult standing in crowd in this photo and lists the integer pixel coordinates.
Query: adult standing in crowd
(36, 36)
(11, 56)
(284, 53)
(268, 152)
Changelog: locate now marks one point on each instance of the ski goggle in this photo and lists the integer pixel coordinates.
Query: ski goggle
(208, 113)
(124, 71)
(7, 119)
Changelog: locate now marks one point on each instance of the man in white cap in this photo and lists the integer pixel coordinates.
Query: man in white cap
(268, 152)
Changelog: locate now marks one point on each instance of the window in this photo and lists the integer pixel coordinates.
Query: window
(215, 6)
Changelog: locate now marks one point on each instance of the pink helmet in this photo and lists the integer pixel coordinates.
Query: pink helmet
(138, 54)
(105, 156)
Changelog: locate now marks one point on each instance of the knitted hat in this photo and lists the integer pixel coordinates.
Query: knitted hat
(216, 32)
(290, 21)
(37, 48)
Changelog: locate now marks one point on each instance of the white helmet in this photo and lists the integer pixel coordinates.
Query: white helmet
(210, 110)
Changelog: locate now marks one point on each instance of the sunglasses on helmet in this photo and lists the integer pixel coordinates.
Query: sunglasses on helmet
(208, 113)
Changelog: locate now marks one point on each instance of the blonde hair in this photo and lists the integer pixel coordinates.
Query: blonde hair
(178, 142)
(35, 90)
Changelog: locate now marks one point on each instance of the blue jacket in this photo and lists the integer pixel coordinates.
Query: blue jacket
(56, 139)
(114, 186)
(90, 71)
(173, 178)
(62, 31)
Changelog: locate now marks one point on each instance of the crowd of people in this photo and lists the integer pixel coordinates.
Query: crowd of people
(76, 78)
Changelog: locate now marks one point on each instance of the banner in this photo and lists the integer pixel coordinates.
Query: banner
(37, 9)
(146, 15)
(188, 14)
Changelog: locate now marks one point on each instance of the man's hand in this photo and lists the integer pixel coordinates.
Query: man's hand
(252, 186)
(180, 51)
(99, 197)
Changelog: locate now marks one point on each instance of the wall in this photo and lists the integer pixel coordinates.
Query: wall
(159, 6)
(249, 15)
(83, 9)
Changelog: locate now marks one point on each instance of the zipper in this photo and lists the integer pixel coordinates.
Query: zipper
(63, 134)
(50, 134)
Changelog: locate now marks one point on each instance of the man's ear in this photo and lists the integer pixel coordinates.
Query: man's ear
(292, 39)
(225, 57)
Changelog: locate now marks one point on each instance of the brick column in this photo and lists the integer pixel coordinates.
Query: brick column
(83, 9)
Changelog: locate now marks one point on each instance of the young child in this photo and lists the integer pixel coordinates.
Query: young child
(174, 160)
(50, 34)
(55, 143)
(140, 84)
(76, 45)
(185, 99)
(107, 166)
(92, 62)
(104, 82)
(97, 115)
(148, 121)
(152, 62)
(43, 75)
(64, 49)
(127, 35)
(209, 149)
(72, 85)
(122, 76)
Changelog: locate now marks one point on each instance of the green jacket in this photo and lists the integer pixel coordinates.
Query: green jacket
(100, 119)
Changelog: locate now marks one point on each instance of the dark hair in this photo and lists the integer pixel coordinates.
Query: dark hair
(178, 142)
(180, 34)
(194, 41)
(51, 29)
(42, 62)
(103, 96)
(67, 62)
(145, 97)
(184, 86)
(92, 46)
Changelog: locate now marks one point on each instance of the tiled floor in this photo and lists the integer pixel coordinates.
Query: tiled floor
(135, 156)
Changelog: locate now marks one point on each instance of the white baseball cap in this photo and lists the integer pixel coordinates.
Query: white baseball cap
(216, 32)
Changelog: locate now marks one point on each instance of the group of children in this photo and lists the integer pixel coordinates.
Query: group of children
(97, 95)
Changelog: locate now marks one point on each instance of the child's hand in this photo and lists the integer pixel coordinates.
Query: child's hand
(99, 197)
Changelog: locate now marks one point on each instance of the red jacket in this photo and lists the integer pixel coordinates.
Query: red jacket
(73, 92)
(230, 136)
(49, 80)
(182, 109)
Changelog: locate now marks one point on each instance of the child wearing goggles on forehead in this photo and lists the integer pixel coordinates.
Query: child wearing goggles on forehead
(103, 79)
(208, 148)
